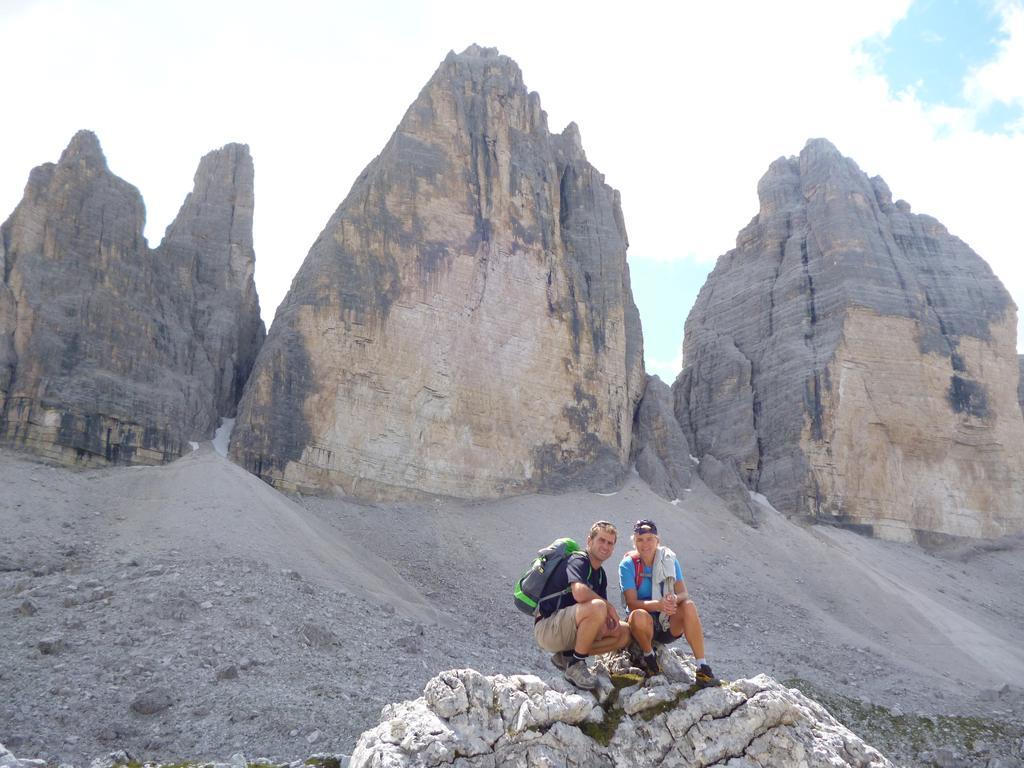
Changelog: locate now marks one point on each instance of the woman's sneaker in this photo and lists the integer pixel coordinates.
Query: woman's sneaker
(649, 664)
(705, 677)
(579, 675)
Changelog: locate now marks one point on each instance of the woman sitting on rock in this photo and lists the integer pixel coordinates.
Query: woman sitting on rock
(648, 570)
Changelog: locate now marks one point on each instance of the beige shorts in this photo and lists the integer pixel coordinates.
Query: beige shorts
(558, 631)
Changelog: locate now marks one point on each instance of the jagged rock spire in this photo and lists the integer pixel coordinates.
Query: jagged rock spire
(210, 242)
(110, 351)
(464, 324)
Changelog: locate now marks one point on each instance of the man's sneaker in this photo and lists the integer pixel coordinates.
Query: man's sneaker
(705, 677)
(562, 659)
(649, 664)
(579, 675)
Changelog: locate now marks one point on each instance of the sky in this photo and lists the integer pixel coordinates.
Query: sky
(681, 105)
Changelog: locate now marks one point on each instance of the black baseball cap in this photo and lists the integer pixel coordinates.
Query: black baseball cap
(645, 526)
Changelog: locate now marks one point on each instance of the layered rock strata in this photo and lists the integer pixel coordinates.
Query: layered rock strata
(856, 363)
(518, 720)
(111, 351)
(464, 324)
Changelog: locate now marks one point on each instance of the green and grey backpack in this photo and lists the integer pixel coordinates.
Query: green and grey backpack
(530, 587)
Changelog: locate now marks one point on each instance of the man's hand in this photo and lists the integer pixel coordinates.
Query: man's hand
(611, 621)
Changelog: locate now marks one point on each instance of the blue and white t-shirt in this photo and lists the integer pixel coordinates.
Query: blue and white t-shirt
(627, 578)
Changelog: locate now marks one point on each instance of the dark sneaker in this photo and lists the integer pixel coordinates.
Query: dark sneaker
(705, 677)
(579, 675)
(562, 659)
(649, 664)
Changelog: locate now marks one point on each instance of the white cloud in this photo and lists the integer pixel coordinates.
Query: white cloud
(1001, 79)
(666, 370)
(682, 106)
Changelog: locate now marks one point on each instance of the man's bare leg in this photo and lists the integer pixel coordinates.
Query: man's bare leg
(615, 640)
(589, 623)
(592, 636)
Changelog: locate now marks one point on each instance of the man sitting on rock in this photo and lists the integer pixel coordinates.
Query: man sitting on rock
(660, 608)
(581, 621)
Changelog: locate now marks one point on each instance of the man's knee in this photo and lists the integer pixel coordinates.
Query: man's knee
(595, 609)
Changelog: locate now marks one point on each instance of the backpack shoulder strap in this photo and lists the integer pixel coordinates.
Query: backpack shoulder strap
(638, 568)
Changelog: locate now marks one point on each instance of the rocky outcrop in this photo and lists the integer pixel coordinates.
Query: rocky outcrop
(723, 479)
(664, 462)
(110, 351)
(466, 719)
(464, 324)
(856, 363)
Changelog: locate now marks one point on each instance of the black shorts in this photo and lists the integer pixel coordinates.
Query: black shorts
(663, 636)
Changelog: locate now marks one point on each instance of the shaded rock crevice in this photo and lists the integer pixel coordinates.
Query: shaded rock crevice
(1020, 383)
(661, 452)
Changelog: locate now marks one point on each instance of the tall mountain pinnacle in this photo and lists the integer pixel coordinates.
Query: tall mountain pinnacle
(856, 363)
(110, 351)
(210, 244)
(464, 324)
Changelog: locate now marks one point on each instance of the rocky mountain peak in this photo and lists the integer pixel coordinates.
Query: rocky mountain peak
(471, 90)
(464, 325)
(786, 380)
(111, 351)
(478, 51)
(216, 217)
(84, 148)
(230, 166)
(821, 151)
(210, 243)
(573, 142)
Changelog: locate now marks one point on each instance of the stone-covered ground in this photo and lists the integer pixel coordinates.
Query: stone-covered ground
(191, 612)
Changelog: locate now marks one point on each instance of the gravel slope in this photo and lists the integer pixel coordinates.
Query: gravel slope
(191, 611)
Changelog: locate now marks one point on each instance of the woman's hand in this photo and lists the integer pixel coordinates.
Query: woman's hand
(669, 604)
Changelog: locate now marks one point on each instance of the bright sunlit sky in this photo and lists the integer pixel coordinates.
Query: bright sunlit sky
(681, 105)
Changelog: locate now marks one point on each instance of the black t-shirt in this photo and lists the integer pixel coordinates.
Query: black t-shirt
(575, 568)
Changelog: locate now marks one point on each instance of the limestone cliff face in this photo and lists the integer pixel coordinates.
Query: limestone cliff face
(856, 363)
(109, 351)
(464, 324)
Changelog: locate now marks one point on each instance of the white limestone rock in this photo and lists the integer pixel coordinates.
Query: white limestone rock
(467, 720)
